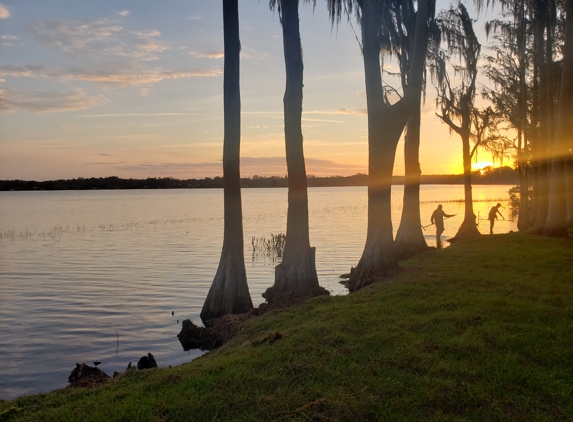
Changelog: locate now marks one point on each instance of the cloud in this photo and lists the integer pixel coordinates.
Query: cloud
(105, 155)
(130, 137)
(137, 115)
(123, 13)
(99, 163)
(306, 119)
(9, 37)
(268, 166)
(48, 102)
(171, 169)
(4, 13)
(361, 112)
(207, 54)
(127, 77)
(250, 166)
(251, 54)
(98, 38)
(246, 53)
(143, 77)
(340, 111)
(195, 17)
(33, 71)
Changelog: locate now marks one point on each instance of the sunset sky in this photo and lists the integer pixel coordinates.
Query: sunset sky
(134, 89)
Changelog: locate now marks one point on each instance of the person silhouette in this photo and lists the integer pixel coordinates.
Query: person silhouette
(493, 216)
(438, 219)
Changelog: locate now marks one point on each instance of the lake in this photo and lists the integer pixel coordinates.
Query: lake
(96, 275)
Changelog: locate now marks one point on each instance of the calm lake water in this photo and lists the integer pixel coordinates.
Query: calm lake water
(96, 275)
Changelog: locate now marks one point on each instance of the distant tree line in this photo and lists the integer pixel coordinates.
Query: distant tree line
(501, 175)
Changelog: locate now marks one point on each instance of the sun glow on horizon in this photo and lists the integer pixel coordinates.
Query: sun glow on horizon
(481, 165)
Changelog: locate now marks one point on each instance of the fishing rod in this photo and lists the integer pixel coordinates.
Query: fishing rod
(445, 218)
(425, 227)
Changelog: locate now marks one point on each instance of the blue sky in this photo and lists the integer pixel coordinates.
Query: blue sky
(134, 89)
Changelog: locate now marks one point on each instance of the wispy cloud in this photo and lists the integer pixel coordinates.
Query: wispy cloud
(33, 71)
(172, 169)
(252, 54)
(136, 115)
(143, 77)
(361, 112)
(340, 111)
(250, 166)
(8, 37)
(130, 137)
(124, 78)
(4, 13)
(48, 102)
(105, 155)
(98, 163)
(98, 38)
(267, 166)
(207, 54)
(195, 17)
(306, 119)
(123, 13)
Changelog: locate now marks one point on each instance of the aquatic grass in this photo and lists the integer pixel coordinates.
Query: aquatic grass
(268, 249)
(478, 331)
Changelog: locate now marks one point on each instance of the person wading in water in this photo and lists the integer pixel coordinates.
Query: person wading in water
(493, 216)
(438, 219)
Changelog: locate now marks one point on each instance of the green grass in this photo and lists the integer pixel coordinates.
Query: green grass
(482, 330)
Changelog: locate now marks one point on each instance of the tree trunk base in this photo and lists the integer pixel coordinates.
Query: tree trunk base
(368, 272)
(408, 245)
(229, 293)
(295, 280)
(556, 232)
(468, 229)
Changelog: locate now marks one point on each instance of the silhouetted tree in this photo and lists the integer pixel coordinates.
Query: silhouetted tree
(410, 238)
(507, 69)
(544, 24)
(296, 274)
(560, 188)
(386, 121)
(229, 292)
(457, 102)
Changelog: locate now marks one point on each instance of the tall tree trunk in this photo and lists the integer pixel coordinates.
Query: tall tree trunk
(523, 220)
(543, 138)
(569, 175)
(385, 126)
(410, 239)
(229, 292)
(468, 227)
(378, 258)
(556, 224)
(534, 144)
(296, 275)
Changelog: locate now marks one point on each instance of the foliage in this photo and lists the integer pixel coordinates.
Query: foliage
(515, 198)
(478, 331)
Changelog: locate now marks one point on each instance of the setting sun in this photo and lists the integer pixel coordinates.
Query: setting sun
(480, 165)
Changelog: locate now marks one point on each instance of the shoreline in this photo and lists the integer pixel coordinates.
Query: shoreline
(479, 328)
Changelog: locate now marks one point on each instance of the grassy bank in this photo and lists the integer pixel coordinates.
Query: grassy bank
(482, 330)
